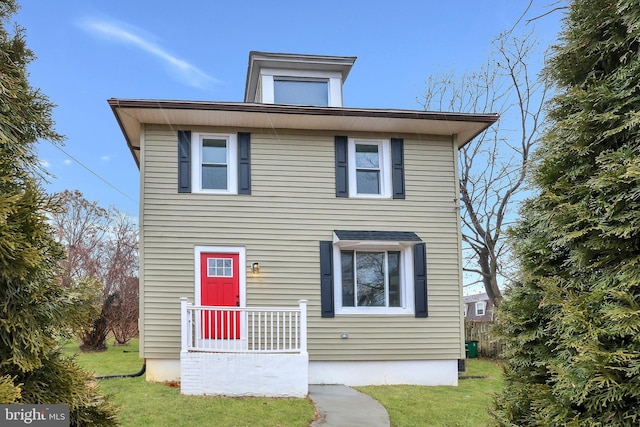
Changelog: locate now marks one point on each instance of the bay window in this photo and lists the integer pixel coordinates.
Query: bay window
(373, 272)
(370, 279)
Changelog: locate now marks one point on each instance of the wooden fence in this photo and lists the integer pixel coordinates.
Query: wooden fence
(488, 346)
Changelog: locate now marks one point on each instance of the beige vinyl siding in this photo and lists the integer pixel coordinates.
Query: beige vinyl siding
(292, 207)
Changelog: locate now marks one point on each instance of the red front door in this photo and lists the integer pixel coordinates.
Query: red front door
(220, 286)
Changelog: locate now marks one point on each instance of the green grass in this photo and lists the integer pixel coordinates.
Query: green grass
(118, 359)
(148, 404)
(143, 404)
(465, 405)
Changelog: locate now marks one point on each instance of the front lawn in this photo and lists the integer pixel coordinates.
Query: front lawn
(144, 404)
(148, 404)
(465, 405)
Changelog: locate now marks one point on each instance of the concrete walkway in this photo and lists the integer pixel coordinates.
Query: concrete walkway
(342, 406)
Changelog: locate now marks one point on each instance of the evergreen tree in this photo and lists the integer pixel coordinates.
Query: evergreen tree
(572, 323)
(34, 308)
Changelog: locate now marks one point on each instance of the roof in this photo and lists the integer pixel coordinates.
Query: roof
(132, 113)
(475, 298)
(396, 236)
(292, 61)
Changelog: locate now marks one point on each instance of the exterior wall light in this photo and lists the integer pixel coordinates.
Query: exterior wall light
(255, 268)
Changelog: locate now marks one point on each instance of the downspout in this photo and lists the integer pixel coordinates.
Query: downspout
(137, 374)
(456, 201)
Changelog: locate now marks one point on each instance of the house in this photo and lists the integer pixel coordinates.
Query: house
(478, 308)
(284, 239)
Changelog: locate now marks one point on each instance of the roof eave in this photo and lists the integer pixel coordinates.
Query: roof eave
(132, 113)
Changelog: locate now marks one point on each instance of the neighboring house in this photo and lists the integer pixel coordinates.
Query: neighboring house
(297, 232)
(478, 308)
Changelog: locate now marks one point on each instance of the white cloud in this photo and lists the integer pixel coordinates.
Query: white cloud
(105, 158)
(67, 162)
(44, 163)
(188, 73)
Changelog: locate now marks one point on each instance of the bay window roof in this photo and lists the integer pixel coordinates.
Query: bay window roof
(396, 236)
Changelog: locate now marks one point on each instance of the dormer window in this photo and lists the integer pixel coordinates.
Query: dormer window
(310, 80)
(298, 91)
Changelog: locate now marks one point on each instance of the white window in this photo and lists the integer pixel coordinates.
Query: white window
(219, 267)
(215, 160)
(480, 305)
(369, 168)
(300, 87)
(373, 278)
(299, 91)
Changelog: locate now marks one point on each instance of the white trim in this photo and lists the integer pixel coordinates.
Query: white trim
(335, 92)
(268, 94)
(456, 201)
(351, 373)
(384, 151)
(242, 269)
(383, 372)
(141, 240)
(196, 162)
(406, 276)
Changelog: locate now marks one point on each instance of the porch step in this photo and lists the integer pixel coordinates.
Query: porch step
(342, 406)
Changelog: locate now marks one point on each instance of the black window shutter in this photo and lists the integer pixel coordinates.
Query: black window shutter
(397, 165)
(326, 279)
(342, 167)
(184, 161)
(420, 279)
(244, 163)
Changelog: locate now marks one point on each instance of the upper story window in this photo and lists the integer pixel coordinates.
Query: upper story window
(300, 87)
(298, 91)
(215, 164)
(369, 168)
(215, 161)
(296, 79)
(480, 308)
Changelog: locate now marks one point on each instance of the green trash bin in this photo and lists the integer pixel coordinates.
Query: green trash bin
(471, 348)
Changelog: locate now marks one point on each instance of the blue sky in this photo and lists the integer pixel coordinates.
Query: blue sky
(89, 51)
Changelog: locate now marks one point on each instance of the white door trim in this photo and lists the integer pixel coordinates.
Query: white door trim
(242, 269)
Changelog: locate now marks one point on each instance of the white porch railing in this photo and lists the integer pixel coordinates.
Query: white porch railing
(244, 329)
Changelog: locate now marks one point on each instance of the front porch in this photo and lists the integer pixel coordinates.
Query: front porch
(244, 351)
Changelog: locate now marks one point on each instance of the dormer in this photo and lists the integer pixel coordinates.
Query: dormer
(293, 79)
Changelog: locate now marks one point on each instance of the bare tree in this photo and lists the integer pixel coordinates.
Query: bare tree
(121, 277)
(494, 165)
(123, 317)
(81, 226)
(101, 244)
